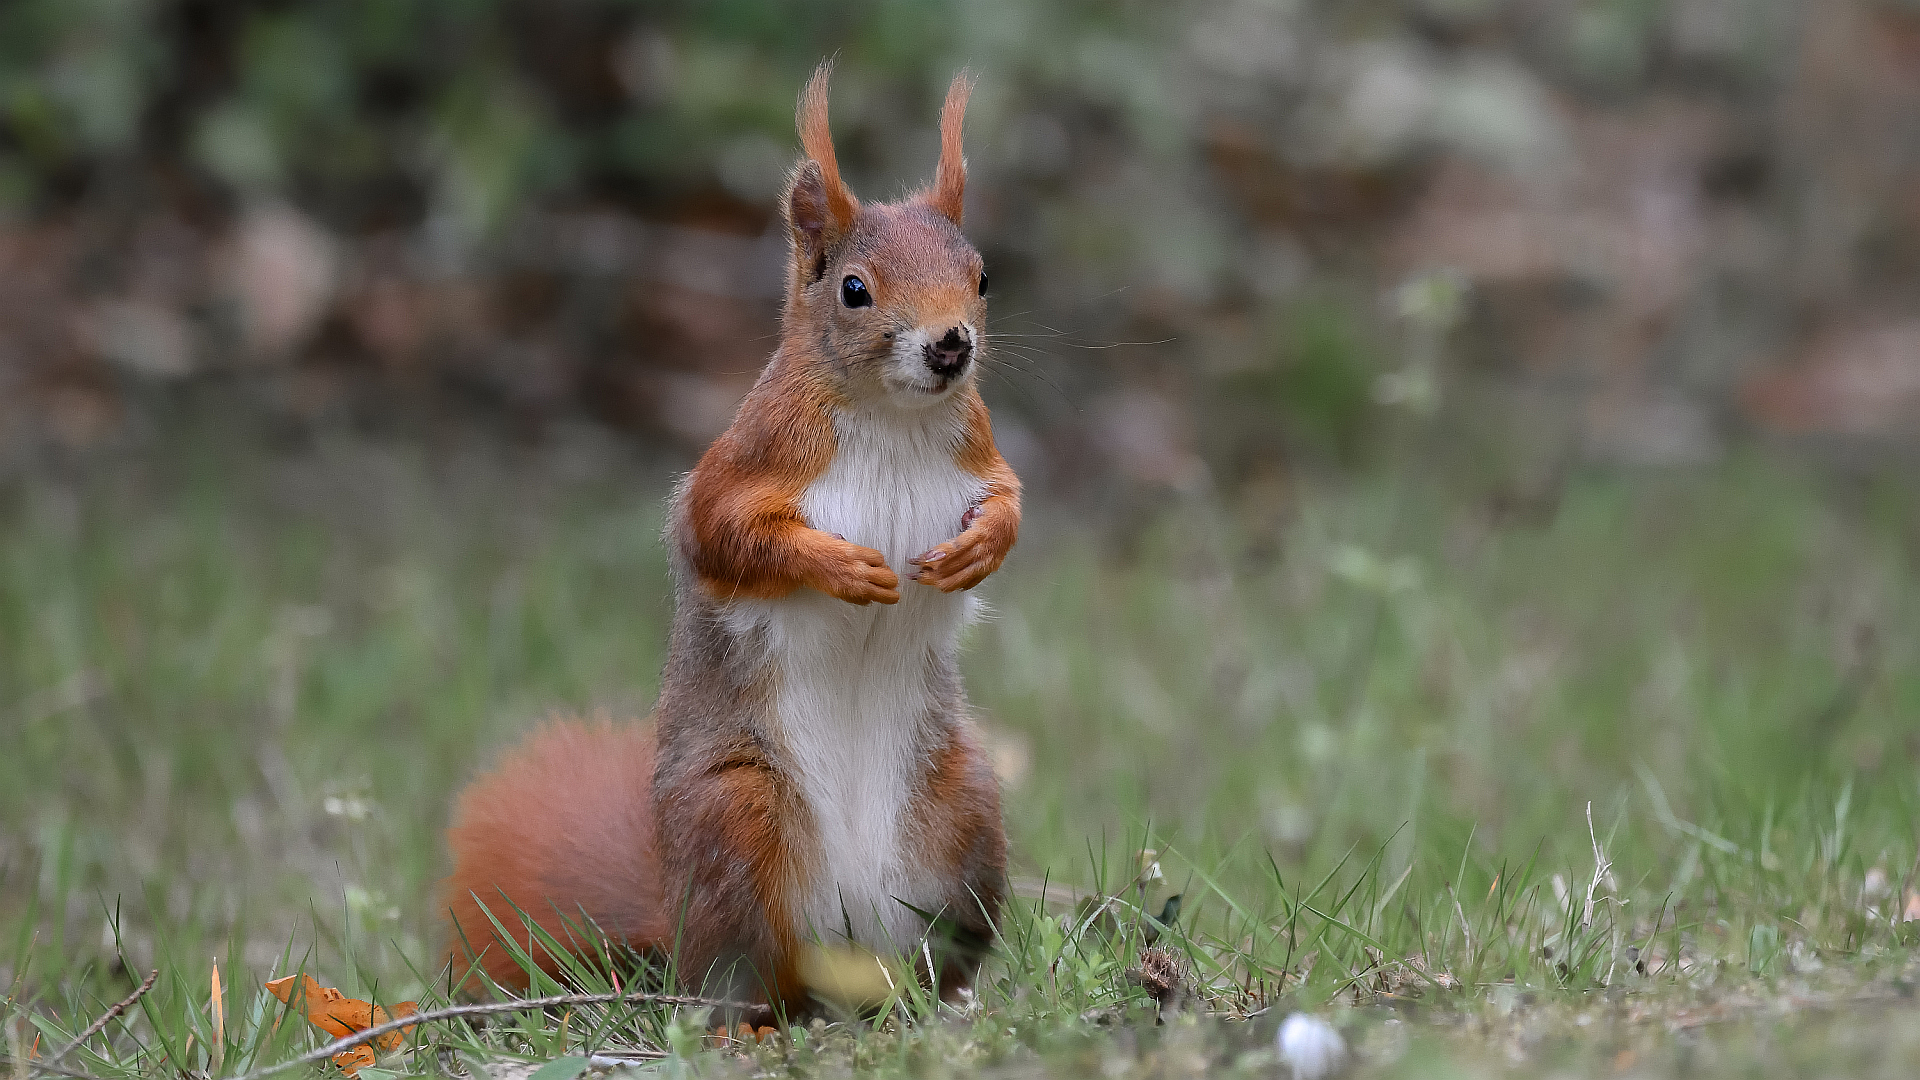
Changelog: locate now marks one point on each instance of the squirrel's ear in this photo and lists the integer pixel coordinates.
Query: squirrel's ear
(819, 207)
(811, 224)
(950, 178)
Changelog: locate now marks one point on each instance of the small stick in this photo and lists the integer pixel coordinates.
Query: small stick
(51, 1069)
(94, 1028)
(624, 1057)
(518, 1005)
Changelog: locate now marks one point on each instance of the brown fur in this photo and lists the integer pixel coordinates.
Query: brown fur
(563, 828)
(688, 836)
(736, 877)
(956, 814)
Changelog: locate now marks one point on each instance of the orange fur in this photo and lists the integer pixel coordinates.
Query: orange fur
(746, 534)
(745, 819)
(957, 817)
(950, 176)
(817, 139)
(969, 558)
(563, 828)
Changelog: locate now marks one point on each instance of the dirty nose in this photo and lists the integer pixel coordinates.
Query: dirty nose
(948, 356)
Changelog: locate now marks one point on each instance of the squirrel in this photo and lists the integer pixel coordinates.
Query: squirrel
(811, 775)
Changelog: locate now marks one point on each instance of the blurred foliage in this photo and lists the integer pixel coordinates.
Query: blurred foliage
(460, 108)
(1676, 221)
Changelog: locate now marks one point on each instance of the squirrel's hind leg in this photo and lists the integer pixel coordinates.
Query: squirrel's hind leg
(733, 864)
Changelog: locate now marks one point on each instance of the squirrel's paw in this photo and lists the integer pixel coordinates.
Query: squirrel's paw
(964, 561)
(859, 575)
(722, 1036)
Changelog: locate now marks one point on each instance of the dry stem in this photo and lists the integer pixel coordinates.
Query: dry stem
(93, 1029)
(518, 1005)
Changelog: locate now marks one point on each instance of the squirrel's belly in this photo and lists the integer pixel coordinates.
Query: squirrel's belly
(859, 692)
(857, 695)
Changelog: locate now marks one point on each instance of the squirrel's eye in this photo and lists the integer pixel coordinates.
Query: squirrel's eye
(983, 284)
(853, 293)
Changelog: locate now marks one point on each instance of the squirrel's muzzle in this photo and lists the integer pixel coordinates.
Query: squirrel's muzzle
(949, 356)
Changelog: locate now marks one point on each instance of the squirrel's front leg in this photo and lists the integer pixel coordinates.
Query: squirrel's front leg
(751, 542)
(989, 527)
(842, 569)
(987, 533)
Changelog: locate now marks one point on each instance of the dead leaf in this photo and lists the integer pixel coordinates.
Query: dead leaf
(351, 1061)
(340, 1016)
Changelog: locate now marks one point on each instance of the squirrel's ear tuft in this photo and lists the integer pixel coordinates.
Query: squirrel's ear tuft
(818, 206)
(817, 140)
(950, 179)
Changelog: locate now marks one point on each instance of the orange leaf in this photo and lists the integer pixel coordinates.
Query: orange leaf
(340, 1015)
(391, 1041)
(350, 1061)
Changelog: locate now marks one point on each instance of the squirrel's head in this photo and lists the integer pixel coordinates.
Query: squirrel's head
(888, 298)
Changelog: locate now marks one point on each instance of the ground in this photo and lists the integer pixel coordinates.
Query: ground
(1619, 780)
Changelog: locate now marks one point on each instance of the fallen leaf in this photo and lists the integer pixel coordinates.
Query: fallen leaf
(352, 1061)
(340, 1016)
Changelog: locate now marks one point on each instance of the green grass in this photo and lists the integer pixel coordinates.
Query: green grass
(238, 691)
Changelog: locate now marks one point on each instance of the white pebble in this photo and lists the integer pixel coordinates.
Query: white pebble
(1311, 1046)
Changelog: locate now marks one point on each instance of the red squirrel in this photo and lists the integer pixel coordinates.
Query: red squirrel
(811, 774)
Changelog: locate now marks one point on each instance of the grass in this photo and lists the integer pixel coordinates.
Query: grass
(1624, 784)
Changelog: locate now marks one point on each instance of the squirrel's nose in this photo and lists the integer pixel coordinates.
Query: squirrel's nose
(948, 356)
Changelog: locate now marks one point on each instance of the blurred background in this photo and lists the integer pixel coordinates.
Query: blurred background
(1433, 411)
(1680, 223)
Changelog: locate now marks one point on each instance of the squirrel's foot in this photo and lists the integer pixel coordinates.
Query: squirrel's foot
(741, 1034)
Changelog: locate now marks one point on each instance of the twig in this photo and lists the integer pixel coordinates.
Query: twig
(517, 1005)
(94, 1028)
(10, 1063)
(624, 1057)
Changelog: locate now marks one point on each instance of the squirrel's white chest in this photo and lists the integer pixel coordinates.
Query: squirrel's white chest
(893, 486)
(854, 687)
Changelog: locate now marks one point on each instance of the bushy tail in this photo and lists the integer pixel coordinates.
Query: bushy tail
(559, 832)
